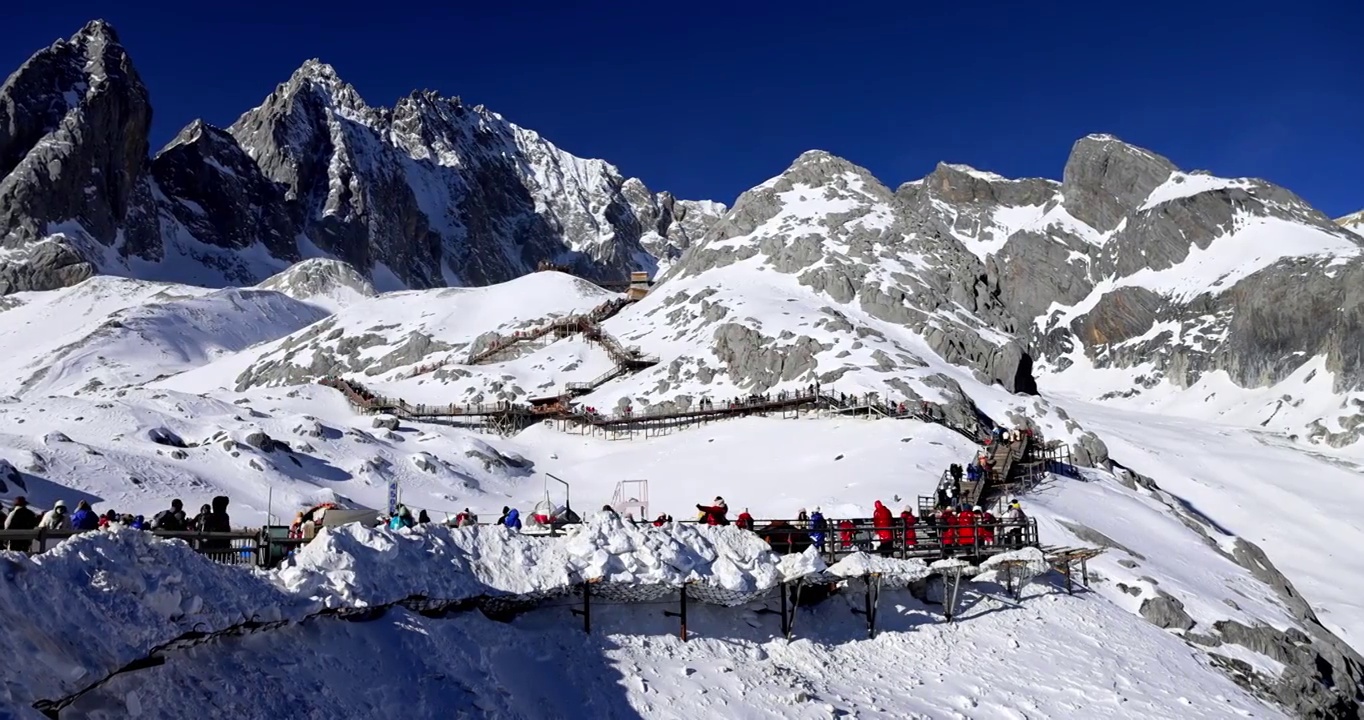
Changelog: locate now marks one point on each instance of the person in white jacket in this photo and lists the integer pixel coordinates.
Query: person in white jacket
(56, 518)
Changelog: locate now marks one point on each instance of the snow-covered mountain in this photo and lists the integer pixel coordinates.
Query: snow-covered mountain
(429, 193)
(1196, 340)
(1160, 289)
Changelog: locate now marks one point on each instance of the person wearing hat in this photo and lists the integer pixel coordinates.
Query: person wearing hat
(1015, 519)
(21, 518)
(56, 518)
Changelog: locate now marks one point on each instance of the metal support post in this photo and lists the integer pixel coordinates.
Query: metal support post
(682, 614)
(586, 612)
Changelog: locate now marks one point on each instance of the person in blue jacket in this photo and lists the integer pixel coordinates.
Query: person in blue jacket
(403, 519)
(513, 519)
(818, 526)
(84, 518)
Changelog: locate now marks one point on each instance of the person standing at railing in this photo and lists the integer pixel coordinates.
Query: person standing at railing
(745, 521)
(966, 527)
(714, 514)
(882, 520)
(1016, 519)
(56, 518)
(217, 521)
(907, 519)
(986, 533)
(21, 517)
(818, 527)
(172, 520)
(84, 519)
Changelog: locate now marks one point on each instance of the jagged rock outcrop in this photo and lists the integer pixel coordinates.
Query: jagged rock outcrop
(1130, 262)
(1106, 179)
(1166, 612)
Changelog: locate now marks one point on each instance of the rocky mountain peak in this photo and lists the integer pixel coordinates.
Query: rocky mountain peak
(97, 30)
(82, 171)
(1106, 178)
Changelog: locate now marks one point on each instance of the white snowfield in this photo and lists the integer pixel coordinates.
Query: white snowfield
(1052, 655)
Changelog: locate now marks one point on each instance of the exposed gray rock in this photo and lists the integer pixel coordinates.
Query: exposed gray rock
(388, 422)
(1166, 611)
(1090, 451)
(1105, 179)
(162, 436)
(319, 277)
(1094, 537)
(425, 462)
(761, 360)
(1324, 677)
(217, 193)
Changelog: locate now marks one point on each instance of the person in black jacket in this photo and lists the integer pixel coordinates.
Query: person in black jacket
(21, 518)
(172, 520)
(217, 521)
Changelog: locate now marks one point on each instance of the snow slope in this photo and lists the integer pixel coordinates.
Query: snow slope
(390, 336)
(1264, 488)
(101, 450)
(115, 332)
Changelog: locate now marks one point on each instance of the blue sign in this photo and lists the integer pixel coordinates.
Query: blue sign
(392, 497)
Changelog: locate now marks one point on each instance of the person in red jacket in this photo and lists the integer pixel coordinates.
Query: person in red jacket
(882, 520)
(985, 533)
(661, 520)
(947, 527)
(845, 533)
(907, 519)
(715, 514)
(745, 521)
(966, 527)
(880, 517)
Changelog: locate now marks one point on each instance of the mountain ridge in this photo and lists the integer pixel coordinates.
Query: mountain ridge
(428, 193)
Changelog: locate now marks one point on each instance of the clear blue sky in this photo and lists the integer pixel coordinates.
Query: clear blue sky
(707, 99)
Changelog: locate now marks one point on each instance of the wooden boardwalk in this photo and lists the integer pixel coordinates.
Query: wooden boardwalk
(509, 417)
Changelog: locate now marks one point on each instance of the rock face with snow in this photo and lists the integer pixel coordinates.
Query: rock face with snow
(73, 150)
(329, 283)
(1130, 263)
(842, 234)
(1354, 222)
(429, 193)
